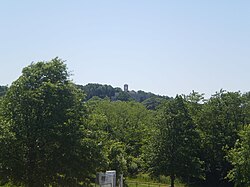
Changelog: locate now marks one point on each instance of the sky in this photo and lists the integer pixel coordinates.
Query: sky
(167, 47)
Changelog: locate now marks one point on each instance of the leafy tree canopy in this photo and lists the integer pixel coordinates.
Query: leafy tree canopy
(44, 137)
(176, 143)
(239, 157)
(221, 119)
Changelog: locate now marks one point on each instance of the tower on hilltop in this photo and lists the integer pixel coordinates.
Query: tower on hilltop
(125, 88)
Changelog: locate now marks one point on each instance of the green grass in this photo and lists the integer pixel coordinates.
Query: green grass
(148, 184)
(144, 180)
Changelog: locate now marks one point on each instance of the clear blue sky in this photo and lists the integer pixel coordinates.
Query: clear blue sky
(166, 47)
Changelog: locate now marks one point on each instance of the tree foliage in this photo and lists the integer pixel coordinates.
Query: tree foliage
(221, 119)
(45, 139)
(126, 128)
(98, 90)
(176, 143)
(239, 157)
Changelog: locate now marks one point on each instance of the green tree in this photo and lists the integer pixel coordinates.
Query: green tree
(117, 157)
(124, 96)
(176, 143)
(98, 90)
(45, 138)
(126, 125)
(221, 119)
(153, 102)
(195, 102)
(239, 157)
(246, 107)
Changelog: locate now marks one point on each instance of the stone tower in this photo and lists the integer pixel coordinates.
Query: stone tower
(125, 88)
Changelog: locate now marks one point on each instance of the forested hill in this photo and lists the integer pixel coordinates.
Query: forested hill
(150, 100)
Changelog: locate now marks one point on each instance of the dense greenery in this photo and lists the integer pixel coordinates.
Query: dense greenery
(176, 144)
(125, 129)
(239, 156)
(99, 90)
(56, 133)
(221, 119)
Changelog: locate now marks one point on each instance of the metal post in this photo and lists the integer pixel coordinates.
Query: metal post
(121, 180)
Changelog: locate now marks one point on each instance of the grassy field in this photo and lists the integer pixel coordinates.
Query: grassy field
(143, 180)
(148, 184)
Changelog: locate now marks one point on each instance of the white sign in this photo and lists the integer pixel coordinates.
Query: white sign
(107, 179)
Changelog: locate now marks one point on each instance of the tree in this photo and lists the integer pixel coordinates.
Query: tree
(221, 119)
(239, 157)
(176, 143)
(246, 107)
(126, 129)
(46, 139)
(153, 102)
(99, 90)
(117, 157)
(195, 102)
(124, 96)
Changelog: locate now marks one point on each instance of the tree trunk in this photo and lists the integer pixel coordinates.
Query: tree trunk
(31, 165)
(172, 178)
